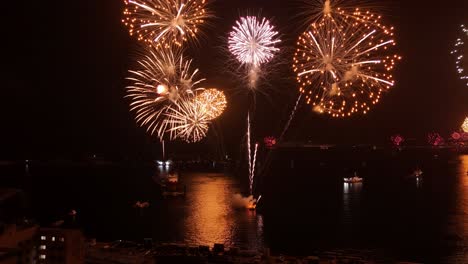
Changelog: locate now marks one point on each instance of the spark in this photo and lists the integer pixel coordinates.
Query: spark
(162, 78)
(253, 41)
(168, 21)
(249, 151)
(343, 67)
(251, 158)
(460, 51)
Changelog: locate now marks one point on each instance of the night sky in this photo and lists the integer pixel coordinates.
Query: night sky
(65, 63)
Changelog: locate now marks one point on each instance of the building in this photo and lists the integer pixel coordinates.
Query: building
(17, 243)
(61, 246)
(17, 235)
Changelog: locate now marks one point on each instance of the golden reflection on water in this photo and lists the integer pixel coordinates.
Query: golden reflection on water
(458, 221)
(210, 217)
(207, 221)
(463, 170)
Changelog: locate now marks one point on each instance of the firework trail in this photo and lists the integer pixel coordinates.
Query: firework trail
(249, 150)
(163, 77)
(343, 69)
(460, 51)
(252, 42)
(165, 21)
(252, 169)
(291, 116)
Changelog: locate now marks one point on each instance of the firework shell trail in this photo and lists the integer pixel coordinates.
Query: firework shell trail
(252, 173)
(249, 150)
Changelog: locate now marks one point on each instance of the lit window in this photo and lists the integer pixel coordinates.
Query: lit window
(43, 238)
(43, 247)
(62, 239)
(53, 238)
(42, 256)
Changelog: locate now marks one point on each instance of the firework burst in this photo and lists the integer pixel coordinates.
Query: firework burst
(188, 120)
(163, 77)
(343, 68)
(252, 42)
(169, 21)
(214, 101)
(465, 125)
(339, 11)
(460, 51)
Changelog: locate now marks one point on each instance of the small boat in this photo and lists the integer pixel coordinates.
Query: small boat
(162, 163)
(354, 179)
(417, 173)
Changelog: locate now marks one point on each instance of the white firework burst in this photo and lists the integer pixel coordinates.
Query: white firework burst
(188, 120)
(253, 41)
(163, 77)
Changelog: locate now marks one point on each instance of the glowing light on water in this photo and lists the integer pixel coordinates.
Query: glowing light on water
(435, 139)
(397, 140)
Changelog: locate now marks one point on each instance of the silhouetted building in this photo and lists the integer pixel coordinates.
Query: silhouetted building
(17, 243)
(61, 246)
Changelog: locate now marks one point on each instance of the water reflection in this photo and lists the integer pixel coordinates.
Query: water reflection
(210, 217)
(351, 205)
(418, 182)
(208, 221)
(457, 228)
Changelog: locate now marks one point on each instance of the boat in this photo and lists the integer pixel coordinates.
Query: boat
(162, 163)
(417, 173)
(171, 186)
(354, 179)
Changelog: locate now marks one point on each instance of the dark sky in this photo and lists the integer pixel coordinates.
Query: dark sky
(64, 65)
